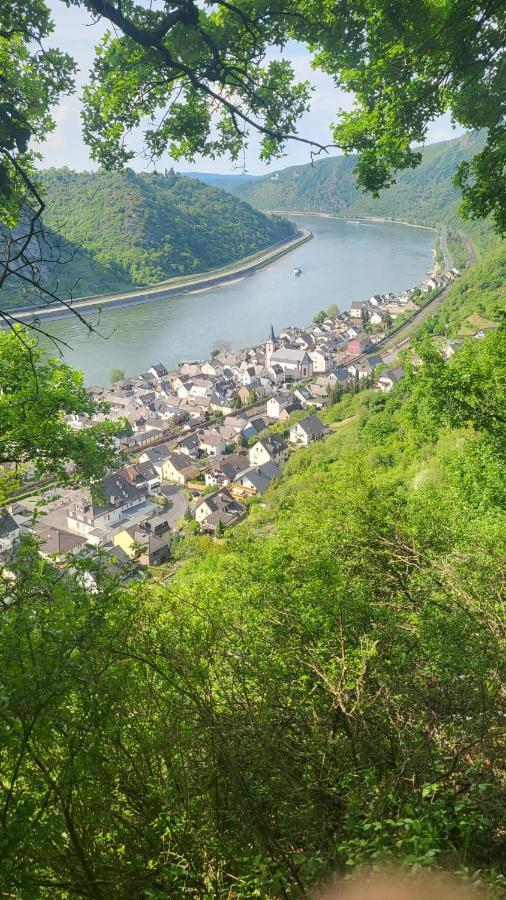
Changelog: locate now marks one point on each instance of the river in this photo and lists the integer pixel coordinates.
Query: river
(342, 263)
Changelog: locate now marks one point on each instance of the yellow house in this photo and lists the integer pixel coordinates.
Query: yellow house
(124, 540)
(155, 542)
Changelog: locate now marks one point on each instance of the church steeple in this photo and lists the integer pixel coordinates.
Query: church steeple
(270, 346)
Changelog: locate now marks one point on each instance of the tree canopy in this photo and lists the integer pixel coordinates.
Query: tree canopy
(203, 78)
(36, 397)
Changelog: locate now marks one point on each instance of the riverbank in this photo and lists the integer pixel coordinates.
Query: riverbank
(173, 287)
(381, 220)
(343, 218)
(339, 264)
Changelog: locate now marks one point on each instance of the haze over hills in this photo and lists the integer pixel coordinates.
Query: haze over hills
(118, 231)
(218, 179)
(425, 195)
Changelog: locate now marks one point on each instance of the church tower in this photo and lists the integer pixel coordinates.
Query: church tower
(270, 346)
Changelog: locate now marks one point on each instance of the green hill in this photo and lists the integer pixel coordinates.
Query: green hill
(317, 690)
(424, 196)
(117, 231)
(155, 226)
(477, 298)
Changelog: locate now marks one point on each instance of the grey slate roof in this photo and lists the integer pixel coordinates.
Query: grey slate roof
(114, 491)
(260, 476)
(394, 375)
(313, 427)
(7, 523)
(57, 541)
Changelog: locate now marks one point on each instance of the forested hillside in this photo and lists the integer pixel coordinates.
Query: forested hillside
(155, 226)
(122, 230)
(319, 688)
(425, 195)
(479, 293)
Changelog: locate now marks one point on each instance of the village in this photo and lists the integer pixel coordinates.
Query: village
(200, 442)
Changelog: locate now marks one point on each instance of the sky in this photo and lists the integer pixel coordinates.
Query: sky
(75, 33)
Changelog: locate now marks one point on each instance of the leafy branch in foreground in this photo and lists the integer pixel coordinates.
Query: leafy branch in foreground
(36, 395)
(189, 69)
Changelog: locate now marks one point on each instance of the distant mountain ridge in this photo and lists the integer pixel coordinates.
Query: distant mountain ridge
(425, 195)
(222, 180)
(122, 230)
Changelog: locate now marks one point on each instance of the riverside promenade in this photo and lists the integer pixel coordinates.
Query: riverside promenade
(164, 289)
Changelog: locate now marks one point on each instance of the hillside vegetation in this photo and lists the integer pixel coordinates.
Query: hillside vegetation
(123, 230)
(480, 294)
(318, 689)
(424, 196)
(155, 226)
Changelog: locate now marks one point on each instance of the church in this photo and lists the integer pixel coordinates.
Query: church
(292, 364)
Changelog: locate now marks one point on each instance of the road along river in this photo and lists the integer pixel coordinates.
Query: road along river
(342, 263)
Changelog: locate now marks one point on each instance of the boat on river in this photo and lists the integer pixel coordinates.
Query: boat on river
(297, 271)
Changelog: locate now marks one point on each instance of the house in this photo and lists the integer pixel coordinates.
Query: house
(148, 544)
(245, 394)
(482, 332)
(321, 360)
(281, 403)
(143, 475)
(211, 368)
(226, 470)
(304, 341)
(179, 468)
(159, 371)
(9, 532)
(220, 404)
(306, 397)
(295, 364)
(241, 424)
(249, 377)
(259, 424)
(189, 369)
(308, 430)
(389, 378)
(58, 543)
(358, 309)
(95, 513)
(212, 443)
(451, 348)
(365, 368)
(219, 507)
(114, 561)
(376, 317)
(156, 457)
(189, 445)
(268, 449)
(255, 480)
(149, 479)
(358, 370)
(359, 344)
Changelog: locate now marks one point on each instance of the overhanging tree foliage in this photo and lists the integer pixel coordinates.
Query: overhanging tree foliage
(36, 396)
(203, 78)
(32, 80)
(405, 62)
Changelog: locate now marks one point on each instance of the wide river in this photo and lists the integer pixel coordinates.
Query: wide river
(342, 263)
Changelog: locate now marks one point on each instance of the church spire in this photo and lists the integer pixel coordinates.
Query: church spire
(270, 346)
